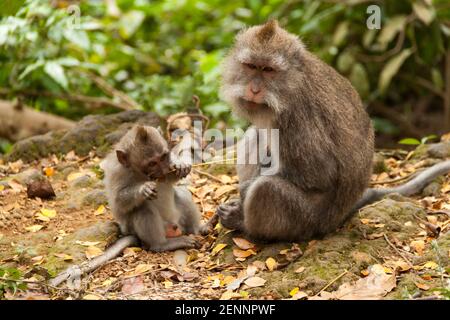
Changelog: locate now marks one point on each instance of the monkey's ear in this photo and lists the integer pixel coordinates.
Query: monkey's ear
(122, 156)
(141, 134)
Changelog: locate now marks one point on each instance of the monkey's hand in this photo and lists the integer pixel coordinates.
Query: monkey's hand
(181, 168)
(231, 216)
(148, 190)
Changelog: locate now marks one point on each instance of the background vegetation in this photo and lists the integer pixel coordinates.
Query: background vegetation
(160, 53)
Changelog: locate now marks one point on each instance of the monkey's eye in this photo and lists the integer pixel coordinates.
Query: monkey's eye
(250, 65)
(268, 69)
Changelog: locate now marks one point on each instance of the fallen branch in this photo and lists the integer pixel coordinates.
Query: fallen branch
(75, 272)
(18, 121)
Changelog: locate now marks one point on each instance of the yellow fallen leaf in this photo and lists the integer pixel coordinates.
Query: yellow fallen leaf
(229, 294)
(100, 210)
(48, 213)
(168, 284)
(253, 282)
(243, 243)
(365, 221)
(41, 217)
(49, 171)
(294, 291)
(222, 190)
(244, 294)
(34, 228)
(271, 264)
(418, 245)
(225, 179)
(218, 248)
(365, 272)
(87, 243)
(75, 175)
(2, 187)
(92, 252)
(92, 297)
(142, 268)
(431, 265)
(227, 280)
(64, 256)
(131, 251)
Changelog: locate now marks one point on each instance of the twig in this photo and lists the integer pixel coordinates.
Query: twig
(76, 271)
(398, 251)
(203, 173)
(407, 177)
(332, 281)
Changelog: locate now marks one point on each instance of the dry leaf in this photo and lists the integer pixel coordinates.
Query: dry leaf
(142, 268)
(16, 186)
(228, 295)
(373, 287)
(34, 228)
(222, 190)
(238, 253)
(49, 171)
(100, 210)
(431, 265)
(92, 297)
(422, 286)
(48, 213)
(418, 246)
(180, 258)
(253, 282)
(271, 264)
(168, 284)
(65, 257)
(92, 252)
(243, 243)
(218, 248)
(300, 270)
(87, 243)
(133, 285)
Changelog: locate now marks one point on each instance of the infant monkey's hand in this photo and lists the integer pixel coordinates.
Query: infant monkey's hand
(181, 168)
(148, 190)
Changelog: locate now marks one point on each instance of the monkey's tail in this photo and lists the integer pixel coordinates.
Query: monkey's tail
(413, 186)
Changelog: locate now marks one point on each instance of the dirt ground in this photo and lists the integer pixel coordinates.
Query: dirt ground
(397, 248)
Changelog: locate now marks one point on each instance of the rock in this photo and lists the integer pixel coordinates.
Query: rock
(40, 188)
(95, 198)
(28, 176)
(434, 188)
(439, 150)
(82, 182)
(93, 131)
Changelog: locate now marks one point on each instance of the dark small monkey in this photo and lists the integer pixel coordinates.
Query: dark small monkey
(139, 178)
(326, 140)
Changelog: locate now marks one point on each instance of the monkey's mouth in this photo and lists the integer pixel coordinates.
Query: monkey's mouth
(251, 105)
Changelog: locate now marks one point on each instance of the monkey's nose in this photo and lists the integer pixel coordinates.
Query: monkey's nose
(255, 90)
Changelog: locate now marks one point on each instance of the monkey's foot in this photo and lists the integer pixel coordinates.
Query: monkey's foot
(231, 216)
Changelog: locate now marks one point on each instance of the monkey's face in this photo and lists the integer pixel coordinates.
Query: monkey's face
(259, 70)
(148, 154)
(156, 167)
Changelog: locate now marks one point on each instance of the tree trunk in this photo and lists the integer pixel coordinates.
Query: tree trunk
(18, 121)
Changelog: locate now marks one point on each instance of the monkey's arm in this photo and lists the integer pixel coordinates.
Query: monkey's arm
(133, 196)
(411, 187)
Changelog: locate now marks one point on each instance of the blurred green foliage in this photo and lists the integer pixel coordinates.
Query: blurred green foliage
(162, 52)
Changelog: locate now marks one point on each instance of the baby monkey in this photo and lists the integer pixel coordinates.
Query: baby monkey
(140, 177)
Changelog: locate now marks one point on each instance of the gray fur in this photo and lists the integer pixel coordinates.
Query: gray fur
(143, 207)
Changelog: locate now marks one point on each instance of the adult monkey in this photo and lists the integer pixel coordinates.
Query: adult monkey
(326, 140)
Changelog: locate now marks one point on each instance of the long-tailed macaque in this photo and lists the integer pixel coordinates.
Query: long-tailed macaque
(326, 140)
(139, 178)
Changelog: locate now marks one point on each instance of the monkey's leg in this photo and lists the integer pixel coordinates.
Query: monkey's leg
(150, 229)
(276, 210)
(190, 216)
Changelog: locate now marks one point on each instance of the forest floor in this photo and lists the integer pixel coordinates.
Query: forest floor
(397, 248)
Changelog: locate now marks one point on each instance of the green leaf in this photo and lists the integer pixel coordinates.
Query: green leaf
(130, 23)
(391, 68)
(428, 138)
(77, 37)
(392, 27)
(56, 72)
(341, 33)
(409, 141)
(425, 13)
(30, 68)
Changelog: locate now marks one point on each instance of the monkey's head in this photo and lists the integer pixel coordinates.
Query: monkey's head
(145, 151)
(260, 70)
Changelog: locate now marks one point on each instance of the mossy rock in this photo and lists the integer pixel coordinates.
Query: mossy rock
(93, 131)
(354, 247)
(440, 150)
